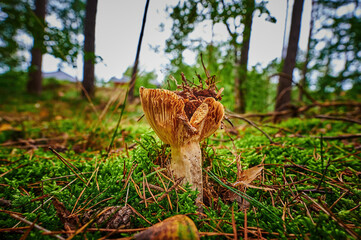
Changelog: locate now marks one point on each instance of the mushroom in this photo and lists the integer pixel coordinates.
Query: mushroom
(182, 123)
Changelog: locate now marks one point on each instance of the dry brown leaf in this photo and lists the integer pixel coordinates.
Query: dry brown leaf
(247, 176)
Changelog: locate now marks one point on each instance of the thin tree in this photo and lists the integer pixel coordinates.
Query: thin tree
(89, 48)
(307, 58)
(285, 81)
(242, 62)
(135, 66)
(284, 47)
(34, 84)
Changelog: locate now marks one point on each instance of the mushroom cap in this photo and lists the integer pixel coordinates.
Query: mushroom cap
(165, 113)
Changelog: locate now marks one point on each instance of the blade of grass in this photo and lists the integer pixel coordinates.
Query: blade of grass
(118, 123)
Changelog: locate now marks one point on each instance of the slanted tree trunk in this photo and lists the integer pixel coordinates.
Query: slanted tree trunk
(135, 66)
(34, 84)
(241, 77)
(307, 58)
(285, 84)
(89, 47)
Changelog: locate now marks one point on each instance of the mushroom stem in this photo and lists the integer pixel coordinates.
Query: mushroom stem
(187, 162)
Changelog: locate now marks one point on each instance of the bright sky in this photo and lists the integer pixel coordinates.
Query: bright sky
(119, 22)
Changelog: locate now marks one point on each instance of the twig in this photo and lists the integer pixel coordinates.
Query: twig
(82, 192)
(161, 180)
(326, 210)
(19, 229)
(210, 234)
(339, 137)
(146, 181)
(179, 180)
(252, 124)
(338, 119)
(97, 230)
(342, 195)
(68, 164)
(140, 215)
(129, 175)
(48, 200)
(234, 226)
(26, 234)
(20, 166)
(155, 187)
(35, 225)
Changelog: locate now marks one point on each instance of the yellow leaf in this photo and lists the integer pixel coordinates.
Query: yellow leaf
(179, 227)
(5, 127)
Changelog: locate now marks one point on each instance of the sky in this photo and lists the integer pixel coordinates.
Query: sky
(118, 26)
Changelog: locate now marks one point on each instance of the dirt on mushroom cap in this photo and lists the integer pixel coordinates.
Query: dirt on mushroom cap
(193, 97)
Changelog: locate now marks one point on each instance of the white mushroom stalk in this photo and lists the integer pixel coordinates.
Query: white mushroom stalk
(183, 124)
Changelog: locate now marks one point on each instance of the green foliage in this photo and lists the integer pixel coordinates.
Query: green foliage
(18, 21)
(35, 171)
(31, 174)
(336, 48)
(14, 19)
(187, 15)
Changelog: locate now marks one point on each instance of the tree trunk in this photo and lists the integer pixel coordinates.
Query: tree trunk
(135, 67)
(89, 48)
(284, 47)
(307, 58)
(243, 62)
(285, 81)
(34, 84)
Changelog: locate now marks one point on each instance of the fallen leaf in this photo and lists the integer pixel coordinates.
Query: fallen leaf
(5, 127)
(247, 176)
(176, 228)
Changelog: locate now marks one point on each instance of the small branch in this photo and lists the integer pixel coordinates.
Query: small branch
(177, 182)
(106, 230)
(326, 210)
(68, 164)
(340, 137)
(35, 225)
(338, 119)
(252, 124)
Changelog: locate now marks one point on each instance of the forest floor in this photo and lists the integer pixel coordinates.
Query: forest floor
(59, 178)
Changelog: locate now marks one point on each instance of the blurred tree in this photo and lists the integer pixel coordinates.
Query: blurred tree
(89, 48)
(57, 35)
(307, 57)
(236, 16)
(14, 19)
(285, 80)
(34, 84)
(336, 47)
